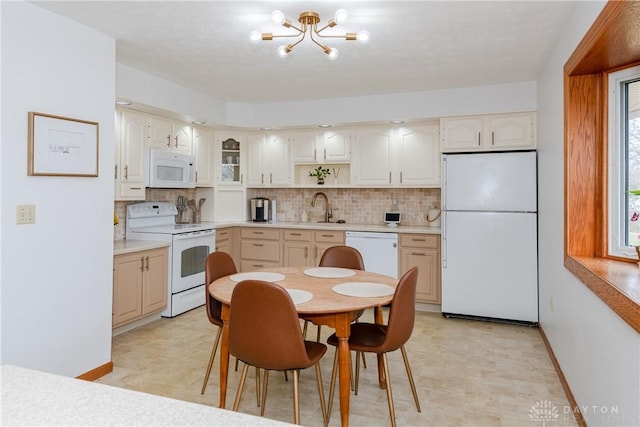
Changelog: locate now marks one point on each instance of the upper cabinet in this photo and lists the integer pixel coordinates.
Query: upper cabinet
(327, 146)
(515, 131)
(170, 135)
(230, 152)
(203, 147)
(269, 159)
(397, 156)
(372, 156)
(131, 154)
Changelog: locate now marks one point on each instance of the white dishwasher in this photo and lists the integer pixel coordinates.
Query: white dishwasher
(379, 250)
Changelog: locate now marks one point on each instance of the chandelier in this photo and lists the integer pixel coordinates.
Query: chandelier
(309, 25)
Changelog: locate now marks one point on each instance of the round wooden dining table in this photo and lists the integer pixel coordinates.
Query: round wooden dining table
(320, 297)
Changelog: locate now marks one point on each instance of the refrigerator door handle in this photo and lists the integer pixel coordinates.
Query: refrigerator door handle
(443, 184)
(443, 234)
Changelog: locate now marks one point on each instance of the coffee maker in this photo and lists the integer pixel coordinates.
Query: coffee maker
(259, 207)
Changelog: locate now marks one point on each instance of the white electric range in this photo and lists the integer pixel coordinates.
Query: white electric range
(189, 246)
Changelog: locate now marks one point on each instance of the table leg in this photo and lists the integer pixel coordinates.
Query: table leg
(224, 355)
(378, 318)
(342, 332)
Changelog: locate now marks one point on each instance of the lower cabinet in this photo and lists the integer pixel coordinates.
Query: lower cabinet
(223, 240)
(139, 284)
(325, 239)
(305, 247)
(422, 251)
(259, 248)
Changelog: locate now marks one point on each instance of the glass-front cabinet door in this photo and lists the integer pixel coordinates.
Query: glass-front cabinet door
(231, 159)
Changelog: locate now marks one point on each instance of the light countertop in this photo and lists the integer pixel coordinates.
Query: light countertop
(121, 247)
(381, 228)
(34, 398)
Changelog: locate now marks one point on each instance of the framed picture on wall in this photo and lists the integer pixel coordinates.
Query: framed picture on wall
(61, 146)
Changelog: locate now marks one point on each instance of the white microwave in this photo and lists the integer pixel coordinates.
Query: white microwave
(171, 170)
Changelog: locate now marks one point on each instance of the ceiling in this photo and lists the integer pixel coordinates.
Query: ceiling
(414, 46)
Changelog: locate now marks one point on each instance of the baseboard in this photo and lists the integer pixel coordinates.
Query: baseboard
(96, 373)
(577, 413)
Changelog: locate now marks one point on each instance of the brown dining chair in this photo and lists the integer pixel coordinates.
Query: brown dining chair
(382, 339)
(217, 265)
(338, 256)
(275, 344)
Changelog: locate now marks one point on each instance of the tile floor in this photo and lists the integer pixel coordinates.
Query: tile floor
(468, 373)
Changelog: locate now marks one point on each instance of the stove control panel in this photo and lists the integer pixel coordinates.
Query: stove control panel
(151, 209)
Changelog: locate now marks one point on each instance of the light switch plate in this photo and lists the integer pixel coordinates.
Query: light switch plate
(26, 214)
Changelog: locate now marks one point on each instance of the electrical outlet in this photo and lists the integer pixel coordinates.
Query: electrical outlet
(26, 214)
(394, 202)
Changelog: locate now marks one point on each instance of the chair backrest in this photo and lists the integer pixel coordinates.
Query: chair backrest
(403, 311)
(342, 256)
(264, 330)
(217, 265)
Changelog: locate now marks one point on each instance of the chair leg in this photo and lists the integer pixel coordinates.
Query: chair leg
(410, 375)
(332, 386)
(318, 334)
(243, 377)
(258, 386)
(304, 329)
(364, 361)
(265, 381)
(213, 354)
(357, 371)
(296, 402)
(392, 412)
(321, 393)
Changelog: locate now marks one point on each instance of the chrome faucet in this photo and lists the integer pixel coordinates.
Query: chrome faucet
(327, 212)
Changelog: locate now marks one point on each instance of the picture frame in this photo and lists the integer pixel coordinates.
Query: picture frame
(62, 146)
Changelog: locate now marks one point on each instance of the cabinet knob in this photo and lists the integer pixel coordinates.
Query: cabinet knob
(147, 263)
(169, 141)
(142, 264)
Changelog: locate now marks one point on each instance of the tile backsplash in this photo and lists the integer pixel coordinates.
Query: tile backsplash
(354, 205)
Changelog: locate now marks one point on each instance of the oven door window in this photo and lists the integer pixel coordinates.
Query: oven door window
(193, 260)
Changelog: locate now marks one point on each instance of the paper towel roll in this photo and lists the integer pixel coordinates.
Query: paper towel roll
(274, 212)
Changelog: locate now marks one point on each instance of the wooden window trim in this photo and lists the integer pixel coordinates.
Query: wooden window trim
(612, 43)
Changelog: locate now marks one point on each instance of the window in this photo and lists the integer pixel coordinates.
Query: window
(624, 162)
(610, 44)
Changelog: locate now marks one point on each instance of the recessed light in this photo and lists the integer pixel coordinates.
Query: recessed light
(266, 129)
(198, 122)
(397, 122)
(324, 126)
(123, 102)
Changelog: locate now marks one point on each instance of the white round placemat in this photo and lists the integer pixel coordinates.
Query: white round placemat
(329, 272)
(267, 276)
(299, 296)
(363, 289)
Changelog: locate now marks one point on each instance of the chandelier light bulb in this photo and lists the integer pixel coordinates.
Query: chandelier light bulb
(255, 36)
(333, 53)
(363, 36)
(341, 16)
(277, 17)
(283, 51)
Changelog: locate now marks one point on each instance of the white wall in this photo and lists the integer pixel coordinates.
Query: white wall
(152, 91)
(56, 276)
(598, 352)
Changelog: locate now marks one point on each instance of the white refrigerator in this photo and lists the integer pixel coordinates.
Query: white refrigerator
(489, 236)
